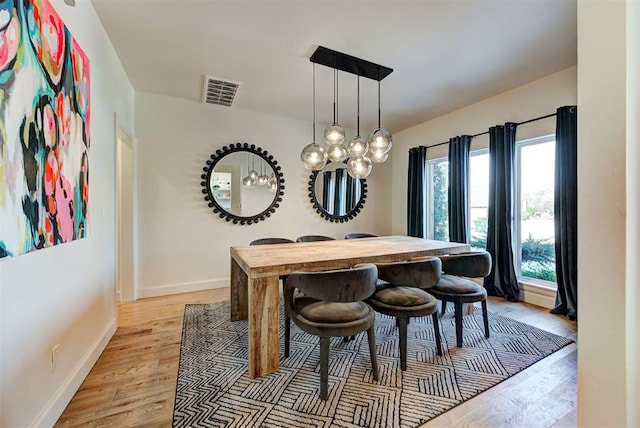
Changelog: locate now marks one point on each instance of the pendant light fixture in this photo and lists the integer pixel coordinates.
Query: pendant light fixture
(262, 179)
(249, 182)
(358, 165)
(334, 134)
(380, 140)
(360, 153)
(313, 156)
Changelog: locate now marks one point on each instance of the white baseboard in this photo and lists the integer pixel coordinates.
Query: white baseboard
(538, 295)
(184, 287)
(59, 401)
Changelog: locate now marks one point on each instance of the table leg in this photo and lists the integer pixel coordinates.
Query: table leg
(239, 292)
(264, 320)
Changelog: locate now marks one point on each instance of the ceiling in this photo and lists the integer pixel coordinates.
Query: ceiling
(445, 54)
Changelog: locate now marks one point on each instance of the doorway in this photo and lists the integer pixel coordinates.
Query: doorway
(125, 285)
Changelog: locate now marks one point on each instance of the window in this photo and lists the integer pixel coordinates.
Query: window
(534, 233)
(478, 198)
(438, 199)
(534, 244)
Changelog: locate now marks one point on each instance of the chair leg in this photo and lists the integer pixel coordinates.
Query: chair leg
(346, 339)
(458, 315)
(287, 335)
(485, 317)
(436, 332)
(443, 305)
(371, 337)
(324, 367)
(402, 324)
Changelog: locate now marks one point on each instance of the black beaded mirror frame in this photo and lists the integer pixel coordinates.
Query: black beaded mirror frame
(210, 166)
(327, 215)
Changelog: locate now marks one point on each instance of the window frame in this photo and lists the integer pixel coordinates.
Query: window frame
(517, 207)
(429, 200)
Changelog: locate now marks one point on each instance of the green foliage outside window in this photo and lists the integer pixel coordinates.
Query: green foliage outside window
(440, 201)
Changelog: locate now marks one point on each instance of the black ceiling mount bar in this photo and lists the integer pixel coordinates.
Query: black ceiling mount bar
(350, 64)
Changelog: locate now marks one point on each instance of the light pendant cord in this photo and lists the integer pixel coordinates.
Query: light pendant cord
(358, 121)
(313, 139)
(336, 113)
(378, 100)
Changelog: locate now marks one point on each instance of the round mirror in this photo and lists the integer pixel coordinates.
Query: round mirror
(242, 183)
(336, 195)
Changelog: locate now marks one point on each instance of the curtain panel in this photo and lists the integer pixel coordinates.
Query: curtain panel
(502, 280)
(338, 200)
(459, 188)
(416, 192)
(565, 206)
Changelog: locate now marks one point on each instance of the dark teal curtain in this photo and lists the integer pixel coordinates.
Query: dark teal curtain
(459, 188)
(502, 280)
(565, 208)
(416, 192)
(351, 192)
(338, 199)
(326, 182)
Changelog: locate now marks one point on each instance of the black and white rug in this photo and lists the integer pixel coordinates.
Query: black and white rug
(214, 390)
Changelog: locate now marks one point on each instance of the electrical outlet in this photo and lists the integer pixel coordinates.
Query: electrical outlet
(54, 358)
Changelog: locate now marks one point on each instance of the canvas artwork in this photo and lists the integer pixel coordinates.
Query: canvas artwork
(44, 130)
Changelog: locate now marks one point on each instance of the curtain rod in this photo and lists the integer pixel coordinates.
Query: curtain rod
(486, 132)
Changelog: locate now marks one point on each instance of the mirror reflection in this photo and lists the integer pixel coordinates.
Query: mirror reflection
(243, 184)
(336, 195)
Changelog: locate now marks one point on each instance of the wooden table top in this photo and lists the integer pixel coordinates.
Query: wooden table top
(260, 261)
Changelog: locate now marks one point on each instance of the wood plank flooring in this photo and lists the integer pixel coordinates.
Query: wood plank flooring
(133, 382)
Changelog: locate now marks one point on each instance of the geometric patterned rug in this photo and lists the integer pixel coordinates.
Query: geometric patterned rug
(214, 390)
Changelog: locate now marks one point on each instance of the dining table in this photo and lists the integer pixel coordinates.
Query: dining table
(256, 270)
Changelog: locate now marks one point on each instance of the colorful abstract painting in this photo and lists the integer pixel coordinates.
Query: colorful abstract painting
(44, 129)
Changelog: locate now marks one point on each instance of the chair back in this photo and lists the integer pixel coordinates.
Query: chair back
(313, 238)
(267, 241)
(359, 235)
(340, 285)
(424, 272)
(473, 264)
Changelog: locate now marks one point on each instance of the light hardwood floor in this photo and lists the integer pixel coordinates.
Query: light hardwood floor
(133, 383)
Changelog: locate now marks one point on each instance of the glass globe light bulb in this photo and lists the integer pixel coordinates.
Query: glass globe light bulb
(357, 147)
(262, 180)
(359, 167)
(313, 157)
(253, 174)
(334, 134)
(272, 187)
(248, 182)
(380, 140)
(378, 157)
(337, 153)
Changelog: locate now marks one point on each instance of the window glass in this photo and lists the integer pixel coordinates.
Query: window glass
(438, 207)
(535, 228)
(478, 198)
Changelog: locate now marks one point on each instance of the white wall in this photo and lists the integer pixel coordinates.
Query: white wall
(607, 210)
(633, 213)
(537, 98)
(66, 294)
(183, 246)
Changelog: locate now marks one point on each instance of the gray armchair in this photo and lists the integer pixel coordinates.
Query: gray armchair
(332, 306)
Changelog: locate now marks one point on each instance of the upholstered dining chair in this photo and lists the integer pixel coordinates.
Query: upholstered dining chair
(267, 241)
(453, 288)
(359, 235)
(332, 306)
(400, 294)
(313, 238)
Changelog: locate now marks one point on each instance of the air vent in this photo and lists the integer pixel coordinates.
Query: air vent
(218, 91)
